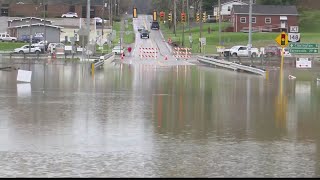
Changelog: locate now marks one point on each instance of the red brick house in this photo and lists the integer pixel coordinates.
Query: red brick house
(265, 18)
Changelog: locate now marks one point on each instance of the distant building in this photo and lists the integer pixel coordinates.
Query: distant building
(25, 21)
(226, 8)
(54, 10)
(267, 18)
(52, 32)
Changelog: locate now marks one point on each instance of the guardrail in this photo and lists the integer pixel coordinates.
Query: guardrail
(100, 62)
(232, 65)
(12, 55)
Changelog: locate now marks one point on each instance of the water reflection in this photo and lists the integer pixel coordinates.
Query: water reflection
(150, 121)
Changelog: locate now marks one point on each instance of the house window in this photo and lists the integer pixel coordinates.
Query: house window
(267, 20)
(243, 19)
(229, 8)
(254, 20)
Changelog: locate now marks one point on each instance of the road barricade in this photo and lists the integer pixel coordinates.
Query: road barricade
(148, 53)
(184, 53)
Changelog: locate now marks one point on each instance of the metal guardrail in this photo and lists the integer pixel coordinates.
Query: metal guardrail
(232, 65)
(100, 62)
(12, 55)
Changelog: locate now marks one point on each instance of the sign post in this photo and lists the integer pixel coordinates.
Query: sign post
(282, 40)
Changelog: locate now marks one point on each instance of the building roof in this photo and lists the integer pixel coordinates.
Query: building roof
(37, 24)
(266, 9)
(21, 19)
(244, 2)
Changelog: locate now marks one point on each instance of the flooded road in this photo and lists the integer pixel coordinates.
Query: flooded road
(147, 121)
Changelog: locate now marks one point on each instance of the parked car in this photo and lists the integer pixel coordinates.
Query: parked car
(7, 37)
(42, 45)
(26, 38)
(144, 34)
(99, 20)
(25, 49)
(70, 15)
(155, 25)
(270, 51)
(241, 51)
(118, 50)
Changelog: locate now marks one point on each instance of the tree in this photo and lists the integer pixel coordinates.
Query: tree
(278, 2)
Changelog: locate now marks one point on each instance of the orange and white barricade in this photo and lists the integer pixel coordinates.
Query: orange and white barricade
(147, 53)
(184, 53)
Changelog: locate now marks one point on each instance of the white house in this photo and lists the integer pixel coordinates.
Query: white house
(226, 7)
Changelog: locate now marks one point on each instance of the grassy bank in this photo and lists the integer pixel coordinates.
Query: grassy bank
(230, 39)
(128, 35)
(10, 46)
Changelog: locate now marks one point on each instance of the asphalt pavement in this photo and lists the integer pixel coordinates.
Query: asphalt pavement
(156, 40)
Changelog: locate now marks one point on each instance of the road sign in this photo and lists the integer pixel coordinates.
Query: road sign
(294, 37)
(303, 63)
(304, 51)
(190, 39)
(303, 46)
(294, 29)
(203, 41)
(282, 39)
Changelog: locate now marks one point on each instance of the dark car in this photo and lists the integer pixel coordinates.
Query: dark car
(270, 51)
(26, 38)
(144, 34)
(155, 25)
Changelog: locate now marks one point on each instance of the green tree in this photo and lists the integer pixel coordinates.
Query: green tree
(278, 2)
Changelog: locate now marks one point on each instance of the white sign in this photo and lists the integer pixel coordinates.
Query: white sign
(24, 76)
(24, 89)
(203, 41)
(303, 63)
(190, 39)
(294, 29)
(68, 48)
(293, 37)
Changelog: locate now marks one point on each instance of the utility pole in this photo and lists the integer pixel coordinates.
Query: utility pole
(219, 8)
(183, 1)
(104, 6)
(200, 25)
(250, 29)
(188, 12)
(44, 25)
(111, 12)
(118, 4)
(175, 17)
(88, 19)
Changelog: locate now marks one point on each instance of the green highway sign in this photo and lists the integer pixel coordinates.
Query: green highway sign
(304, 51)
(303, 46)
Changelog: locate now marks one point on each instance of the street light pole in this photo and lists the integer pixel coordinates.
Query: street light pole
(200, 24)
(250, 29)
(44, 25)
(188, 12)
(219, 4)
(175, 17)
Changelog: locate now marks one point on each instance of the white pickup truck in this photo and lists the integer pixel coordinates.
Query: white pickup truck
(242, 51)
(7, 37)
